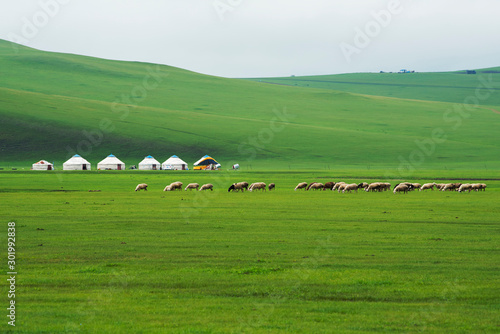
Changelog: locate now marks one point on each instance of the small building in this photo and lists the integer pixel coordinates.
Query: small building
(149, 163)
(76, 162)
(42, 165)
(111, 163)
(206, 162)
(174, 163)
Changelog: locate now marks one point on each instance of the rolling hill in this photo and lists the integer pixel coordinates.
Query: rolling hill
(53, 105)
(455, 87)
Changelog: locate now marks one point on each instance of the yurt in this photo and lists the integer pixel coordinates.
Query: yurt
(111, 163)
(76, 162)
(206, 162)
(149, 163)
(174, 163)
(42, 165)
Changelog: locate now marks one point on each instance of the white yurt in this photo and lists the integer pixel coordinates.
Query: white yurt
(76, 162)
(174, 163)
(111, 162)
(42, 165)
(149, 163)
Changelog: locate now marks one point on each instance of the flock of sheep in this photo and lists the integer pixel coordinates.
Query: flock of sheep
(343, 187)
(240, 186)
(403, 187)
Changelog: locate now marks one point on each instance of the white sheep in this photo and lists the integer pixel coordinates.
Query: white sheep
(257, 186)
(337, 185)
(301, 185)
(192, 186)
(236, 187)
(350, 187)
(207, 187)
(316, 186)
(375, 186)
(173, 186)
(401, 188)
(141, 186)
(465, 187)
(427, 186)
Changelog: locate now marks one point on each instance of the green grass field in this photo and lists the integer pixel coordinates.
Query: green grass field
(274, 262)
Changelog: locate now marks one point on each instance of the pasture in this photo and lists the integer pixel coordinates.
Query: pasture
(116, 260)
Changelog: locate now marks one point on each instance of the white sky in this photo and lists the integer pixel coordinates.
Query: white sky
(257, 38)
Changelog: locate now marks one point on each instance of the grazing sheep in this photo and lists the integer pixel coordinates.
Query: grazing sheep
(141, 186)
(439, 186)
(451, 186)
(329, 185)
(416, 186)
(375, 186)
(257, 186)
(337, 185)
(173, 186)
(271, 186)
(309, 186)
(478, 187)
(350, 187)
(363, 185)
(301, 185)
(341, 187)
(408, 184)
(316, 186)
(243, 185)
(386, 186)
(465, 187)
(236, 187)
(207, 187)
(475, 186)
(401, 188)
(428, 186)
(192, 186)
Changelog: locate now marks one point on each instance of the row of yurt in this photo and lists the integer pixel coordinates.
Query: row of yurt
(172, 163)
(111, 162)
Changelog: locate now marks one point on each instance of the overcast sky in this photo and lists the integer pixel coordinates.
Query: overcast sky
(257, 38)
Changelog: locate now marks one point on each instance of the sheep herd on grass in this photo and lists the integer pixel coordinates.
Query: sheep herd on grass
(404, 187)
(340, 187)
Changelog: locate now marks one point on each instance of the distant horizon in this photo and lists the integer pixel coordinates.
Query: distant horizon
(259, 77)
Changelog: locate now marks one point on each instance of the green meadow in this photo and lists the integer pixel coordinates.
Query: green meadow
(93, 255)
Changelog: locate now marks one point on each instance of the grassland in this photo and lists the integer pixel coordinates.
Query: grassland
(55, 105)
(454, 87)
(276, 262)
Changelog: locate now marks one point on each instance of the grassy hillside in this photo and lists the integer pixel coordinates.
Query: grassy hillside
(54, 105)
(456, 87)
